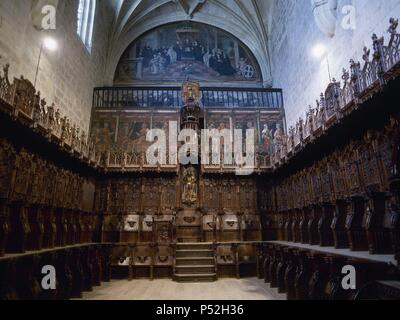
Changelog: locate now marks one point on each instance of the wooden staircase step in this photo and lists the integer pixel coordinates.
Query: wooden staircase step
(189, 239)
(208, 277)
(194, 246)
(194, 253)
(194, 261)
(195, 269)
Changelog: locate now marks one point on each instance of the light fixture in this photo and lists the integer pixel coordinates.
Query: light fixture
(319, 50)
(49, 44)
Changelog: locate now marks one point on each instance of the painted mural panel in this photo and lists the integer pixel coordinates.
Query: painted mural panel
(127, 132)
(268, 128)
(271, 132)
(132, 133)
(187, 50)
(104, 131)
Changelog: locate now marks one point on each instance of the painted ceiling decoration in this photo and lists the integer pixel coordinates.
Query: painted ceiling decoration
(244, 19)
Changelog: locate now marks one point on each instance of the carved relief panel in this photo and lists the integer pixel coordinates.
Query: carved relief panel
(229, 195)
(247, 192)
(22, 176)
(168, 194)
(385, 154)
(326, 182)
(131, 223)
(116, 197)
(147, 223)
(7, 158)
(132, 198)
(338, 180)
(351, 169)
(211, 194)
(230, 222)
(369, 166)
(151, 195)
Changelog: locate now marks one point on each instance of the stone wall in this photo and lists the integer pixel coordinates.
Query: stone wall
(294, 32)
(68, 75)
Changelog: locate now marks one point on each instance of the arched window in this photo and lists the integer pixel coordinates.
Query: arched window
(86, 13)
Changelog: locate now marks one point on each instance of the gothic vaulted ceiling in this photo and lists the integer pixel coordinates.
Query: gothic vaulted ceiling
(245, 19)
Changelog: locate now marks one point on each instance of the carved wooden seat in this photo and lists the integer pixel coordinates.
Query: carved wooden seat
(319, 276)
(325, 233)
(274, 261)
(36, 225)
(251, 227)
(282, 263)
(19, 229)
(130, 232)
(334, 289)
(28, 281)
(340, 238)
(287, 226)
(164, 229)
(303, 274)
(121, 257)
(313, 219)
(225, 255)
(87, 268)
(226, 260)
(72, 227)
(143, 261)
(268, 252)
(281, 226)
(111, 228)
(62, 227)
(296, 234)
(290, 273)
(64, 274)
(247, 260)
(50, 227)
(78, 225)
(377, 223)
(189, 218)
(96, 257)
(303, 225)
(356, 233)
(77, 273)
(143, 255)
(229, 228)
(189, 225)
(164, 256)
(106, 256)
(8, 277)
(163, 261)
(211, 226)
(147, 228)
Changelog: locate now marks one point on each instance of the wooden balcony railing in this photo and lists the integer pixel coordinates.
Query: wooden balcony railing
(171, 97)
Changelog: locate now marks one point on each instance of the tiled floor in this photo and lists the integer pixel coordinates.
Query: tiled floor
(225, 289)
